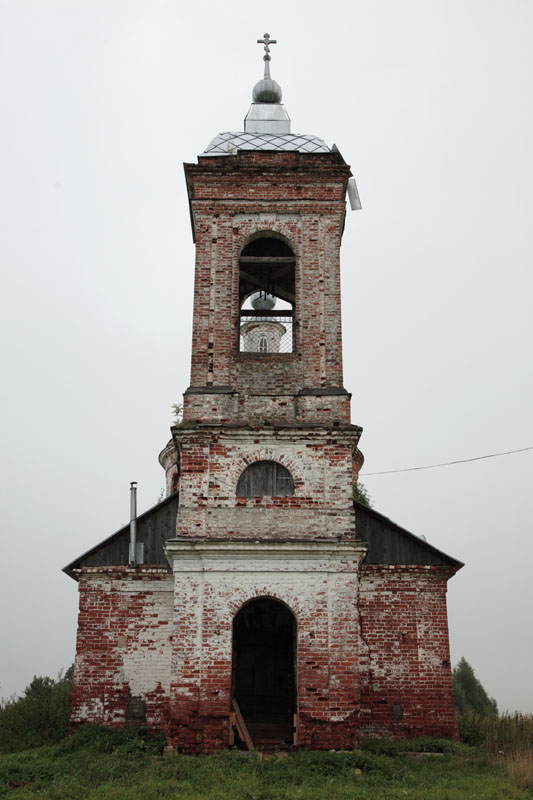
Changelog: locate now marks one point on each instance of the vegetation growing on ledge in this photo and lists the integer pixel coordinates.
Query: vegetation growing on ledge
(177, 413)
(361, 495)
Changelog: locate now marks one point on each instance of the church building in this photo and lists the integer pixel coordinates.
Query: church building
(258, 604)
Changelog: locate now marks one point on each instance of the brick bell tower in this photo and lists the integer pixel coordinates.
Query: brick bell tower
(265, 558)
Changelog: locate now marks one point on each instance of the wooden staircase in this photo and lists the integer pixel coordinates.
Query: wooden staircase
(263, 736)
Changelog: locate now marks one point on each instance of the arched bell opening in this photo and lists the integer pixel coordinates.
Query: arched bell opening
(267, 266)
(264, 671)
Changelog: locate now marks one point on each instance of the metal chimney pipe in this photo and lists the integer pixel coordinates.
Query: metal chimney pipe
(133, 524)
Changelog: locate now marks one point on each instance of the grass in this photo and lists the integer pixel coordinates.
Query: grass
(125, 764)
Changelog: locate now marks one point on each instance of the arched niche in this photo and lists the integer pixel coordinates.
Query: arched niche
(265, 479)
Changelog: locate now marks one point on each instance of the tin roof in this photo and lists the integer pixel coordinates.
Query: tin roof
(229, 142)
(267, 125)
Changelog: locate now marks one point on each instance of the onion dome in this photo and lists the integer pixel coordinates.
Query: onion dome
(266, 91)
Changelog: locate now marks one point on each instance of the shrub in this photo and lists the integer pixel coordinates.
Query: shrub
(360, 494)
(326, 763)
(39, 717)
(423, 744)
(128, 741)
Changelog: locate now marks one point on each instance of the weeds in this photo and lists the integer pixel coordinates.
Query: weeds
(521, 770)
(424, 744)
(508, 734)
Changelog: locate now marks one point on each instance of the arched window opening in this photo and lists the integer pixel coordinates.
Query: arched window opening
(264, 670)
(267, 296)
(265, 478)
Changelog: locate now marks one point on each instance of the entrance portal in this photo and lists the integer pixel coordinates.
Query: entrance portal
(264, 651)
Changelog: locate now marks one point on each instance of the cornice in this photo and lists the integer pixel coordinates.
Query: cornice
(204, 555)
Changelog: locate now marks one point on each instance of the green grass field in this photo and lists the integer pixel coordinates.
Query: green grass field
(126, 764)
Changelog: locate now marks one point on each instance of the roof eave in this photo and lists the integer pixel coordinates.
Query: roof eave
(455, 563)
(70, 569)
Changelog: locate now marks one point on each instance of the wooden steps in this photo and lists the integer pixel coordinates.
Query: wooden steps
(273, 734)
(261, 735)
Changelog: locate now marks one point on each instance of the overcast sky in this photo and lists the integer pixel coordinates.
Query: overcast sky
(430, 102)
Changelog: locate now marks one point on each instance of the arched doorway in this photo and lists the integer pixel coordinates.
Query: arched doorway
(264, 674)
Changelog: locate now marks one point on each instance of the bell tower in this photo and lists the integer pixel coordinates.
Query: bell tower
(266, 454)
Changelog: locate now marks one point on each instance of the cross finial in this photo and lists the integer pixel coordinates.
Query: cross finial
(267, 41)
(267, 90)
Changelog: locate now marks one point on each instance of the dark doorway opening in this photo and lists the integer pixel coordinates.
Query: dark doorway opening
(264, 684)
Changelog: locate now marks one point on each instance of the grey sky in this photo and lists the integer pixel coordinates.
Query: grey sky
(430, 102)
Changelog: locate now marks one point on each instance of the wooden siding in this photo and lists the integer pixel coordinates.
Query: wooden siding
(154, 527)
(390, 544)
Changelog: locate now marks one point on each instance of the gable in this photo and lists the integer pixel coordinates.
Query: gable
(154, 527)
(390, 544)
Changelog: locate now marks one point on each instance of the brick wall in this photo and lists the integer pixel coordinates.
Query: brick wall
(231, 201)
(320, 462)
(168, 458)
(405, 674)
(123, 648)
(318, 583)
(252, 406)
(372, 643)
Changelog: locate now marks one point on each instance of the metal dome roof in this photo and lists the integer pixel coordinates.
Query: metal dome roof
(230, 142)
(267, 125)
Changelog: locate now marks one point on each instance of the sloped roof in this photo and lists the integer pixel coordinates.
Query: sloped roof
(154, 527)
(230, 142)
(388, 543)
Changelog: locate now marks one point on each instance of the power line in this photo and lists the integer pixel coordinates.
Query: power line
(447, 463)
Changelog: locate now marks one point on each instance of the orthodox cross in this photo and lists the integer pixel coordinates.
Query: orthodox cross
(267, 41)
